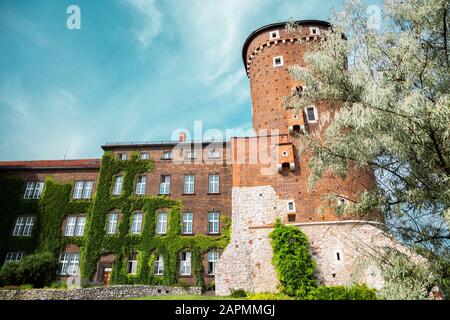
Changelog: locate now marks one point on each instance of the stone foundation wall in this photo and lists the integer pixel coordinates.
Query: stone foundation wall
(98, 293)
(344, 250)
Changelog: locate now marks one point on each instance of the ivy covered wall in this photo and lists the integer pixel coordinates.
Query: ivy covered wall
(56, 204)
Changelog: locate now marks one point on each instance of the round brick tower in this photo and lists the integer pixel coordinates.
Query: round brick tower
(267, 54)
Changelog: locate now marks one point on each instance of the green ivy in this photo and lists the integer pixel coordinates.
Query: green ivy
(292, 259)
(56, 204)
(296, 270)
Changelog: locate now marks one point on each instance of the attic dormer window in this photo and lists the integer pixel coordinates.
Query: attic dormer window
(275, 34)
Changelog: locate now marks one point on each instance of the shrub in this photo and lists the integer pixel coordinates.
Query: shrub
(292, 260)
(238, 293)
(37, 269)
(26, 286)
(356, 292)
(269, 296)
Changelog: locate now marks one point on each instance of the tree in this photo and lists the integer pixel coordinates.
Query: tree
(389, 92)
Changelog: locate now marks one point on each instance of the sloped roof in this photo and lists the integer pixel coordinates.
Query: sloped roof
(50, 164)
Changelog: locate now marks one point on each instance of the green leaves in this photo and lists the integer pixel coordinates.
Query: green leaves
(292, 260)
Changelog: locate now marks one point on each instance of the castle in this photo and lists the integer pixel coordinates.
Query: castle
(161, 212)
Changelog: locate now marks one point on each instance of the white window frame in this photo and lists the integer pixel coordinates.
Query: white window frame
(189, 184)
(70, 226)
(83, 189)
(158, 267)
(311, 32)
(141, 184)
(293, 206)
(69, 263)
(167, 155)
(144, 155)
(112, 220)
(24, 226)
(80, 225)
(15, 256)
(213, 258)
(132, 265)
(19, 226)
(136, 223)
(214, 183)
(187, 223)
(164, 184)
(316, 114)
(118, 184)
(161, 223)
(276, 36)
(213, 222)
(191, 155)
(33, 190)
(275, 64)
(87, 189)
(122, 156)
(186, 263)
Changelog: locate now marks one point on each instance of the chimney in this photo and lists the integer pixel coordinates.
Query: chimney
(182, 137)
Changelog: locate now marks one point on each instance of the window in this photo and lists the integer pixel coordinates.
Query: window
(69, 263)
(111, 223)
(214, 154)
(298, 90)
(189, 184)
(136, 223)
(187, 223)
(278, 61)
(132, 264)
(79, 228)
(342, 202)
(167, 155)
(213, 257)
(291, 206)
(275, 34)
(213, 222)
(13, 257)
(70, 226)
(122, 156)
(141, 183)
(164, 186)
(33, 190)
(285, 153)
(83, 189)
(314, 31)
(161, 223)
(338, 256)
(191, 155)
(24, 226)
(144, 156)
(311, 114)
(185, 264)
(117, 187)
(159, 266)
(213, 183)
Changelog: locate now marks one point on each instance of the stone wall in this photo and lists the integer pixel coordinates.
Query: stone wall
(344, 250)
(97, 293)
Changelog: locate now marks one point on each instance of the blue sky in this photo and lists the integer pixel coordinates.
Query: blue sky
(136, 71)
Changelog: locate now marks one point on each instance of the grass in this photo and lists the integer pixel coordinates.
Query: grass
(186, 297)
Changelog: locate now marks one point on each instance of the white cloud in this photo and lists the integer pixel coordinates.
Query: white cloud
(149, 23)
(229, 84)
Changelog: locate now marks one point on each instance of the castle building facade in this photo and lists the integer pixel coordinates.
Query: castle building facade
(195, 211)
